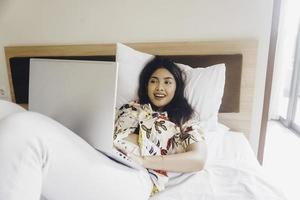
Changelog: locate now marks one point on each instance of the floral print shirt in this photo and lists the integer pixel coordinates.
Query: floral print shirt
(157, 135)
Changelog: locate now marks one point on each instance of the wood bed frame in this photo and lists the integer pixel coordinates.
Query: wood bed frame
(237, 121)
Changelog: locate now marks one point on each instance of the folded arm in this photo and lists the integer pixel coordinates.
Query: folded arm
(191, 160)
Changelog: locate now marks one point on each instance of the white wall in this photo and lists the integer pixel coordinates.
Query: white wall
(33, 22)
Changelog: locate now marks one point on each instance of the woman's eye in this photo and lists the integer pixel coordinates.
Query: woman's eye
(152, 81)
(168, 82)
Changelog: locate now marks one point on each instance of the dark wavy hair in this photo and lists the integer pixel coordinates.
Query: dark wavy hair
(179, 111)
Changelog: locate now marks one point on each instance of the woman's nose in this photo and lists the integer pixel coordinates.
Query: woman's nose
(159, 87)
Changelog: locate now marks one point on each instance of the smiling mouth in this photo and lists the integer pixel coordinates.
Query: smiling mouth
(159, 96)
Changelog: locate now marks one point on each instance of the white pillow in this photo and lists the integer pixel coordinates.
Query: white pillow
(204, 89)
(204, 86)
(131, 63)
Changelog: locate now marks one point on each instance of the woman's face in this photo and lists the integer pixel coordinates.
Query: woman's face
(161, 88)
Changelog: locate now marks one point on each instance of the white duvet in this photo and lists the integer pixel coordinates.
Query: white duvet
(231, 173)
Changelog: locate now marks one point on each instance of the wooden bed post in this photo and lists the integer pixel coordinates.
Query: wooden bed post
(269, 78)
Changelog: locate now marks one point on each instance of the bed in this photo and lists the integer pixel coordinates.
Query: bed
(232, 170)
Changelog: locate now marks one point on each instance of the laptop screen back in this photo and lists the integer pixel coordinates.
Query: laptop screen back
(78, 94)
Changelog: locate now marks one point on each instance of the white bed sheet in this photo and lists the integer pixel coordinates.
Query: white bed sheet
(232, 172)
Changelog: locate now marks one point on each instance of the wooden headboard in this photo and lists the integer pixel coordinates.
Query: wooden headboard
(239, 57)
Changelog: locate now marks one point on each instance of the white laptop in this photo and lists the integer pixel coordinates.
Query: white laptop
(81, 95)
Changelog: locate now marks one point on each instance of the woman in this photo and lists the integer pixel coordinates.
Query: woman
(40, 156)
(159, 132)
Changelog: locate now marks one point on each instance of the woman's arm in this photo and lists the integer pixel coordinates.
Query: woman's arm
(191, 160)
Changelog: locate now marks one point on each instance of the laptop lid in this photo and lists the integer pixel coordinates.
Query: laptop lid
(81, 95)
